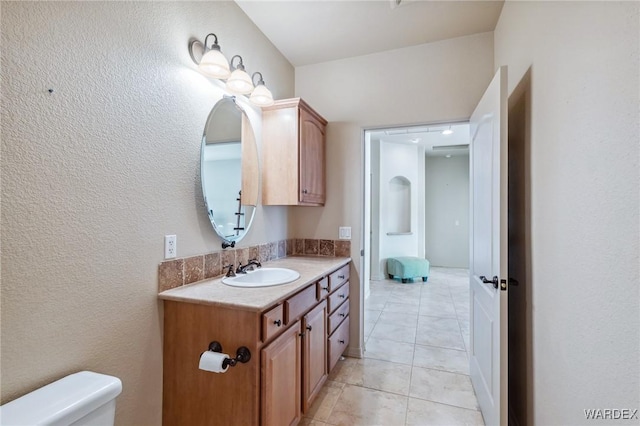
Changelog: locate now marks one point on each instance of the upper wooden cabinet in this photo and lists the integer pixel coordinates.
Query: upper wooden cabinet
(293, 154)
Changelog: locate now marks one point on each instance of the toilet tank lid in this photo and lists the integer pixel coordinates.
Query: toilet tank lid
(67, 399)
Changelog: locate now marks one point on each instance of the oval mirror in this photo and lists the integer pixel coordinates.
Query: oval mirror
(229, 171)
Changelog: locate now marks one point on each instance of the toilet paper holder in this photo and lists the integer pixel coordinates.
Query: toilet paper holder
(243, 354)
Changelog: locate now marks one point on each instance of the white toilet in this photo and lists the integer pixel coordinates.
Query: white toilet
(84, 398)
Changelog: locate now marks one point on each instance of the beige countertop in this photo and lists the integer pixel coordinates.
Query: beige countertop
(214, 292)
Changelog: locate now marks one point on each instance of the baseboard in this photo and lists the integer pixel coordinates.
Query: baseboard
(354, 352)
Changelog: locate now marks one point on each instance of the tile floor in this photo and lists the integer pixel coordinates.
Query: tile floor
(415, 370)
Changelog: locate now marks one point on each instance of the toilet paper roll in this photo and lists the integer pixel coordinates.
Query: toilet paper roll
(212, 361)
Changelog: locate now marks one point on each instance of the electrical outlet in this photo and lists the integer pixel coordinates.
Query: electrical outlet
(344, 232)
(169, 246)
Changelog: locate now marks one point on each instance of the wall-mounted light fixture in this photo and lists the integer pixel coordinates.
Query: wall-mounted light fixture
(239, 81)
(447, 132)
(260, 96)
(211, 62)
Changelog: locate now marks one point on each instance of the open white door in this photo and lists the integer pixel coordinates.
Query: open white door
(488, 262)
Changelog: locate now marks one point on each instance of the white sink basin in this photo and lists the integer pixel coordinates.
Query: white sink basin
(262, 277)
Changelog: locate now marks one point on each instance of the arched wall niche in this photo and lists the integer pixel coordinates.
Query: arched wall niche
(399, 206)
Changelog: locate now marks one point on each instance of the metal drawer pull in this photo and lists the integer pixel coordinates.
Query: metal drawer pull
(278, 323)
(342, 296)
(309, 328)
(325, 288)
(341, 277)
(341, 341)
(342, 315)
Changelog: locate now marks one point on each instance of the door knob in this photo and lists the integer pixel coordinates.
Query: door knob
(493, 281)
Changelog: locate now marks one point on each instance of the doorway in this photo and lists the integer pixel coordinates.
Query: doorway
(416, 195)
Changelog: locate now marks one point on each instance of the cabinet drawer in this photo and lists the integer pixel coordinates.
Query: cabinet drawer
(338, 297)
(323, 288)
(300, 303)
(338, 316)
(272, 323)
(338, 277)
(338, 343)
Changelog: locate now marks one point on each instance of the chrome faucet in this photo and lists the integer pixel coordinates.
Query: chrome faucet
(251, 263)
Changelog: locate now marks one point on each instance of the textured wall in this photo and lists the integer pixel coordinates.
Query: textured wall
(95, 174)
(585, 100)
(447, 211)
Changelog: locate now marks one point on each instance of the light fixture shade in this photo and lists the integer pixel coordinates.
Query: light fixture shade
(261, 96)
(214, 64)
(240, 82)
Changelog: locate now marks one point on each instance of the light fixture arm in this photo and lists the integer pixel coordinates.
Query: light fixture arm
(253, 80)
(215, 42)
(240, 65)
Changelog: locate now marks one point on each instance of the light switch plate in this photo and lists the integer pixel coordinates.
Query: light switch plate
(344, 232)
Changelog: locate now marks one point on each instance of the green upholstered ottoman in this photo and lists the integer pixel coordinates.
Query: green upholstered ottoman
(407, 268)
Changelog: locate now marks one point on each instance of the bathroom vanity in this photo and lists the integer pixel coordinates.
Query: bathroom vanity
(296, 333)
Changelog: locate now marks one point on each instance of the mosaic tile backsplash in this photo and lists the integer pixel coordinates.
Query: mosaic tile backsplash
(177, 272)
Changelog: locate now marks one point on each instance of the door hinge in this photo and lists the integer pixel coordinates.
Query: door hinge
(503, 285)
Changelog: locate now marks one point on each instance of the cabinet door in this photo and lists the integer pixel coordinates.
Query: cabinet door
(281, 379)
(312, 159)
(314, 357)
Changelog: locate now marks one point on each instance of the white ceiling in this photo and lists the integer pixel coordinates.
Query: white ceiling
(456, 143)
(314, 31)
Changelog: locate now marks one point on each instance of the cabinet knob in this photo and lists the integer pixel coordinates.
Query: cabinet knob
(341, 277)
(278, 323)
(304, 191)
(325, 288)
(309, 328)
(341, 342)
(342, 315)
(341, 296)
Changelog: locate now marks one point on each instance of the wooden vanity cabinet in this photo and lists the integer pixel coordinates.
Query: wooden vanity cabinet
(314, 354)
(293, 154)
(294, 345)
(281, 379)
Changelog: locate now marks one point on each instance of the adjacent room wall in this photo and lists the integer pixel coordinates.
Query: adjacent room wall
(584, 67)
(404, 161)
(435, 82)
(97, 172)
(447, 211)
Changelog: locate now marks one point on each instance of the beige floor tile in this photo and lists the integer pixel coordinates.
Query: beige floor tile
(441, 386)
(427, 413)
(359, 406)
(406, 299)
(388, 350)
(402, 307)
(396, 332)
(398, 318)
(435, 296)
(437, 309)
(324, 402)
(375, 302)
(342, 370)
(441, 332)
(381, 375)
(451, 360)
